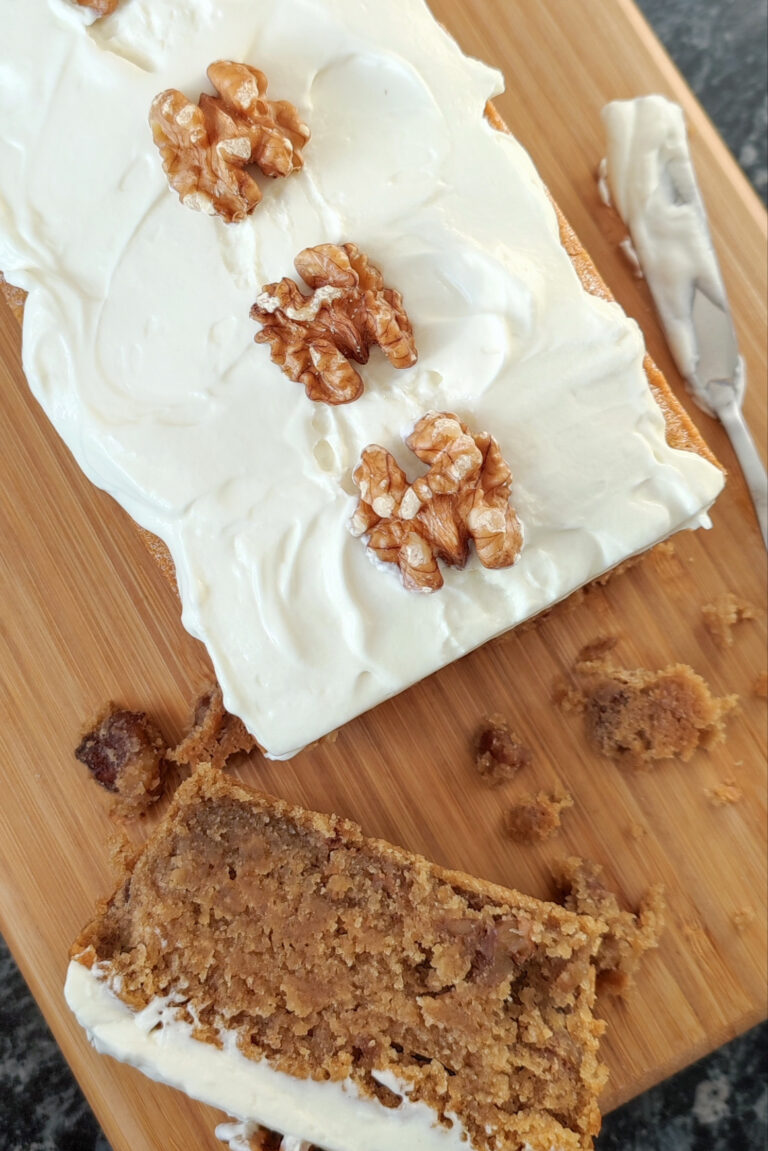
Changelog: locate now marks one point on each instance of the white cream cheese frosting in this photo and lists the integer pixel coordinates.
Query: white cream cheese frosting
(331, 1115)
(139, 346)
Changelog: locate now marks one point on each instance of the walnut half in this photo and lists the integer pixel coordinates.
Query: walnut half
(463, 497)
(207, 147)
(314, 337)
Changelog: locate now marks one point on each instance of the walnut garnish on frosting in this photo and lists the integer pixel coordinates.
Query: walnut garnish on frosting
(313, 338)
(100, 7)
(463, 497)
(207, 147)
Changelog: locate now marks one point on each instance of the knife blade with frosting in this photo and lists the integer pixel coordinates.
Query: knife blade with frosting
(649, 178)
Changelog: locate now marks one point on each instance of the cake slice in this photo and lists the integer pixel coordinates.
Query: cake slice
(275, 963)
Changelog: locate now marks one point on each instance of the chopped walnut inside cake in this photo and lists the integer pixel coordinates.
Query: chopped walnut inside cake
(215, 734)
(207, 147)
(313, 338)
(499, 752)
(534, 818)
(722, 615)
(463, 497)
(638, 716)
(100, 7)
(628, 936)
(125, 752)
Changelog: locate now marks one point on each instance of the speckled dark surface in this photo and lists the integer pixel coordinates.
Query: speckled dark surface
(719, 1104)
(721, 47)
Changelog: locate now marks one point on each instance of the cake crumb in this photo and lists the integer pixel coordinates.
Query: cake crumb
(760, 686)
(637, 831)
(215, 734)
(499, 751)
(743, 918)
(535, 818)
(665, 560)
(697, 941)
(125, 753)
(597, 649)
(568, 698)
(722, 615)
(637, 716)
(122, 849)
(627, 935)
(724, 793)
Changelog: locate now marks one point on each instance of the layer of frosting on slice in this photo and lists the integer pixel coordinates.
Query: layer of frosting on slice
(332, 1115)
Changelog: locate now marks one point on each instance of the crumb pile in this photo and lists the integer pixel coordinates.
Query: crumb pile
(126, 753)
(628, 936)
(638, 716)
(332, 955)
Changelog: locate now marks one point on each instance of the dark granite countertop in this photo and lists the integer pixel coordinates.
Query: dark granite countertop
(720, 1103)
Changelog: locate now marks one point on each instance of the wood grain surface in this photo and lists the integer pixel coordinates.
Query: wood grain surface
(86, 616)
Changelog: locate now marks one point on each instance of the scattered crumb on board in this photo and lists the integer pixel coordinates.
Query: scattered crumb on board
(499, 751)
(722, 615)
(725, 793)
(636, 716)
(534, 818)
(743, 918)
(125, 752)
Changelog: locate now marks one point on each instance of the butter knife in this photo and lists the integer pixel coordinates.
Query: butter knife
(648, 175)
(718, 386)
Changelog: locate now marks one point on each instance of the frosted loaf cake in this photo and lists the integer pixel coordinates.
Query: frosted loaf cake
(138, 343)
(275, 963)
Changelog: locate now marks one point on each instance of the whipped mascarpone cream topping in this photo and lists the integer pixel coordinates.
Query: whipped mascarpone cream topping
(139, 346)
(331, 1115)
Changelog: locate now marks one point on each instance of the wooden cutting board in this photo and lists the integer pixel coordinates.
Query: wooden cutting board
(87, 616)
